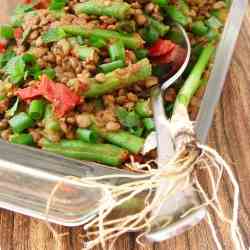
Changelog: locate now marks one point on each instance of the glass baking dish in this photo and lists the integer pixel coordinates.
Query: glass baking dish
(28, 176)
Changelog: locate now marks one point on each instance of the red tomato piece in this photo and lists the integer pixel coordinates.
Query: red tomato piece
(2, 47)
(161, 47)
(28, 93)
(42, 4)
(18, 33)
(177, 56)
(61, 97)
(27, 1)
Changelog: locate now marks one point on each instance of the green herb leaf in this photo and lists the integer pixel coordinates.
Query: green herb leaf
(6, 31)
(11, 112)
(6, 57)
(57, 4)
(50, 73)
(53, 35)
(16, 69)
(128, 119)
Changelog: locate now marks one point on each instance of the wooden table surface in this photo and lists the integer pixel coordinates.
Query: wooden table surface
(230, 135)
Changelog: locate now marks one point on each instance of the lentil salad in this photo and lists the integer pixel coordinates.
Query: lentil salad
(76, 76)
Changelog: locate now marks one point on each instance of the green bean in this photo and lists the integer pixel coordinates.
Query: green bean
(143, 109)
(149, 124)
(193, 81)
(97, 42)
(52, 126)
(124, 139)
(150, 34)
(117, 51)
(108, 67)
(214, 23)
(85, 52)
(129, 41)
(86, 135)
(199, 28)
(116, 9)
(20, 122)
(24, 139)
(36, 109)
(176, 15)
(159, 26)
(119, 78)
(102, 153)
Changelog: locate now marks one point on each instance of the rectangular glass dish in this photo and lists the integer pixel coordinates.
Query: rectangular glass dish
(27, 175)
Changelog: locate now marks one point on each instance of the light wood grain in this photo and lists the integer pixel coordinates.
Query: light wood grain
(230, 135)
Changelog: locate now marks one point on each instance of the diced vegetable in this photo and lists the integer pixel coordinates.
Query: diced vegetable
(57, 4)
(117, 51)
(23, 139)
(143, 108)
(161, 28)
(20, 122)
(36, 109)
(199, 28)
(149, 124)
(161, 47)
(85, 52)
(128, 119)
(108, 67)
(116, 9)
(87, 135)
(176, 15)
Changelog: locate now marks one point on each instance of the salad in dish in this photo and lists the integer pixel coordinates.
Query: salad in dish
(76, 76)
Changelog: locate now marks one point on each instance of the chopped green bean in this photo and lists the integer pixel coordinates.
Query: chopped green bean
(87, 135)
(24, 139)
(117, 51)
(199, 28)
(143, 109)
(36, 109)
(149, 124)
(176, 15)
(20, 122)
(85, 52)
(141, 53)
(108, 67)
(97, 42)
(161, 28)
(214, 23)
